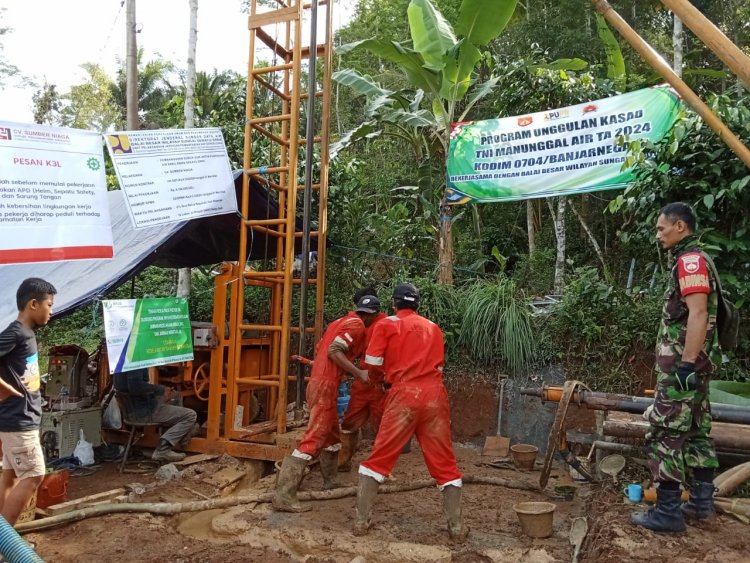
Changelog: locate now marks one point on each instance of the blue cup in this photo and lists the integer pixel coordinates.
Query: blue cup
(635, 492)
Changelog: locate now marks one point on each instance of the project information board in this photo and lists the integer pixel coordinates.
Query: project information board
(564, 151)
(142, 333)
(53, 195)
(171, 175)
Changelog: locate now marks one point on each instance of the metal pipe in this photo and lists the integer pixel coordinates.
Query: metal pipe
(657, 62)
(631, 404)
(307, 199)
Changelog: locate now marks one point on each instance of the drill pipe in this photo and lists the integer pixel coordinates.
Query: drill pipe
(626, 403)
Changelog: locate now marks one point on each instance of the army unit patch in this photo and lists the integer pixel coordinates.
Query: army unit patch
(692, 274)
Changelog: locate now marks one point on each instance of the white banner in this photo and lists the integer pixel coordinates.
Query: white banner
(53, 195)
(171, 175)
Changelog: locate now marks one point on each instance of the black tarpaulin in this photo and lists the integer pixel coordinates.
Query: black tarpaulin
(196, 242)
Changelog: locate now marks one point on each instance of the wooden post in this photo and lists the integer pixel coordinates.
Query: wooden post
(658, 63)
(712, 36)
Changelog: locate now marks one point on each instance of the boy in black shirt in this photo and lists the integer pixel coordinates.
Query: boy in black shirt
(21, 400)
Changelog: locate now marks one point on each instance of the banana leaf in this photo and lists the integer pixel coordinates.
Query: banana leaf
(431, 33)
(481, 21)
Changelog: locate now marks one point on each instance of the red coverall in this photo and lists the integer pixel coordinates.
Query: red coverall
(323, 388)
(417, 402)
(367, 399)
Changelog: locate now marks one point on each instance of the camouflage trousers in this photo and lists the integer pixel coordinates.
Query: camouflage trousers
(679, 425)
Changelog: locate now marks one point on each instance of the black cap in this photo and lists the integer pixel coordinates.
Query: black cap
(406, 292)
(368, 304)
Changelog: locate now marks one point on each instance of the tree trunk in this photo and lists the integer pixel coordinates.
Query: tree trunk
(477, 220)
(677, 38)
(588, 232)
(190, 76)
(530, 226)
(559, 221)
(183, 276)
(445, 245)
(131, 69)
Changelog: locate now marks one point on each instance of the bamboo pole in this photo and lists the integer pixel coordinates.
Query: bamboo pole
(171, 508)
(712, 36)
(658, 63)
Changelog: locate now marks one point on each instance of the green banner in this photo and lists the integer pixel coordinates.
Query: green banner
(147, 332)
(566, 151)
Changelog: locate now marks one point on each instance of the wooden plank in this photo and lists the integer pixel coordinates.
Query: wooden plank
(84, 501)
(192, 459)
(276, 16)
(240, 449)
(225, 477)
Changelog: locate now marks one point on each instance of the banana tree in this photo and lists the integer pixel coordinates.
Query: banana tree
(439, 63)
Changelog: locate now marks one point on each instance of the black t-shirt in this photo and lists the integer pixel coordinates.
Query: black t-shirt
(19, 367)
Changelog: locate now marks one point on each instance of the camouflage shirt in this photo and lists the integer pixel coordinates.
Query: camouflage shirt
(690, 274)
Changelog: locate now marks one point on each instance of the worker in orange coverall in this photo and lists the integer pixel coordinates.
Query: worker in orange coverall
(366, 401)
(341, 343)
(408, 350)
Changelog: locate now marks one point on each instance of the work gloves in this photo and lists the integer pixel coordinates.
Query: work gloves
(686, 378)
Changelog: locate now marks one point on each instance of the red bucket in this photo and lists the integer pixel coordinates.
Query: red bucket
(54, 489)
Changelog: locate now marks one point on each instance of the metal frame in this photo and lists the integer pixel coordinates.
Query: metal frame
(241, 366)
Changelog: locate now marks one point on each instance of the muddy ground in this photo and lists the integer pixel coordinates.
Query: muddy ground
(408, 526)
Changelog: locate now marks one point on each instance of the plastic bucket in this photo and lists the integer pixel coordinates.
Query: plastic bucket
(54, 488)
(535, 518)
(524, 456)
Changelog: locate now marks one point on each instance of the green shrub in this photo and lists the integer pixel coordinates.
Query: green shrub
(496, 325)
(598, 332)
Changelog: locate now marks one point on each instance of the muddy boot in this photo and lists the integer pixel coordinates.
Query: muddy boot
(349, 443)
(329, 462)
(367, 490)
(289, 480)
(452, 505)
(666, 516)
(700, 506)
(164, 452)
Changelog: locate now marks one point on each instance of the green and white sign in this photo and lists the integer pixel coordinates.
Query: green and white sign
(559, 152)
(146, 332)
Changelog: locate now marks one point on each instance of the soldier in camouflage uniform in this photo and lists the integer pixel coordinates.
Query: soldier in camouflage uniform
(686, 356)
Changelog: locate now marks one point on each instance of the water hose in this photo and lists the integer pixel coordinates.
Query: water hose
(13, 547)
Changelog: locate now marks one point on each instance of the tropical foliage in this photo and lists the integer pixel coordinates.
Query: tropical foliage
(406, 70)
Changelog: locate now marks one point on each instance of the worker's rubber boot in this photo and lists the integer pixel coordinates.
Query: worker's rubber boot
(349, 443)
(287, 484)
(367, 490)
(452, 505)
(666, 516)
(164, 452)
(700, 505)
(329, 464)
